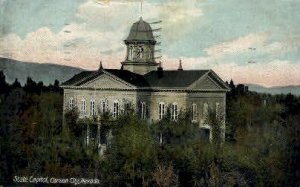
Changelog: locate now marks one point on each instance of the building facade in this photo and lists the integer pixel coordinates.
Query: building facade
(141, 83)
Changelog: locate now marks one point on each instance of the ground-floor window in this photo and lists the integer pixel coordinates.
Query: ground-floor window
(205, 134)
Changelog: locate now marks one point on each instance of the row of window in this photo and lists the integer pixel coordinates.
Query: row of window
(105, 108)
(205, 111)
(174, 111)
(142, 109)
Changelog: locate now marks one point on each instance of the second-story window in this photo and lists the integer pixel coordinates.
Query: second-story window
(71, 103)
(218, 110)
(174, 112)
(205, 111)
(92, 108)
(116, 109)
(194, 113)
(83, 107)
(143, 110)
(104, 106)
(161, 110)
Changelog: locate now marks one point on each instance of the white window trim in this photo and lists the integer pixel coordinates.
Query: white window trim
(83, 107)
(116, 108)
(92, 108)
(143, 110)
(161, 110)
(174, 112)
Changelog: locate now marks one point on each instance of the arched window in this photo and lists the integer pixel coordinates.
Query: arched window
(174, 112)
(161, 110)
(194, 113)
(205, 111)
(116, 109)
(217, 110)
(83, 107)
(92, 108)
(143, 110)
(104, 106)
(71, 103)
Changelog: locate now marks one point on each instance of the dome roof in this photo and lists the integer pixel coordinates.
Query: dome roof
(140, 31)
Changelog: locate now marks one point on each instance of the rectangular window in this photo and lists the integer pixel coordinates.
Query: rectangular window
(83, 107)
(143, 110)
(161, 110)
(194, 113)
(104, 106)
(127, 107)
(205, 112)
(116, 110)
(174, 112)
(71, 103)
(217, 110)
(92, 108)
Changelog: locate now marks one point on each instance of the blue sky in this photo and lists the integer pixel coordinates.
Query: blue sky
(223, 35)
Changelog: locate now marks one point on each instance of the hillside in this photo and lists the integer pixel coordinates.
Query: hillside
(295, 90)
(38, 72)
(49, 72)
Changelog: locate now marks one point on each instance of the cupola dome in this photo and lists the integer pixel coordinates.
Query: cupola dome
(140, 31)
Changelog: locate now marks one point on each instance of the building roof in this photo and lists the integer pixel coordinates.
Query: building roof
(154, 79)
(141, 31)
(173, 78)
(127, 76)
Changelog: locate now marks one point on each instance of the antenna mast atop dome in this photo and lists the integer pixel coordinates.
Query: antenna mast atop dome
(141, 1)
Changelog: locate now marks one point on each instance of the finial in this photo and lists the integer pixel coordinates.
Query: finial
(141, 8)
(100, 65)
(180, 66)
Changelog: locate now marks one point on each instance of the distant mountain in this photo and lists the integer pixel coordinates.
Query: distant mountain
(295, 90)
(38, 72)
(48, 73)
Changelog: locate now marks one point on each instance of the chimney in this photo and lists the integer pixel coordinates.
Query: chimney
(160, 71)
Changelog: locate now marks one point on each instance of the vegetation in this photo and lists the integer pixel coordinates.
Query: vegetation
(261, 147)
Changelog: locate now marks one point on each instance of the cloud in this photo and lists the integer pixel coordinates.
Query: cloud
(188, 28)
(239, 45)
(98, 34)
(44, 46)
(273, 73)
(267, 73)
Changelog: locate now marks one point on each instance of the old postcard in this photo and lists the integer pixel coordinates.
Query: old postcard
(149, 92)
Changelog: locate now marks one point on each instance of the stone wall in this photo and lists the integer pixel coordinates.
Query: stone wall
(183, 100)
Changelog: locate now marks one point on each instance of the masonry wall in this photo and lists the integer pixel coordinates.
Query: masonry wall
(168, 98)
(212, 100)
(98, 96)
(183, 100)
